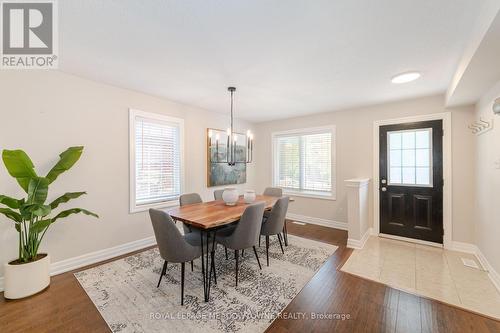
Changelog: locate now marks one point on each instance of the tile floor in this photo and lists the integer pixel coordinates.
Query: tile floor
(427, 271)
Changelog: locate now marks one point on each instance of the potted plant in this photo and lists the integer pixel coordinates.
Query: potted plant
(29, 273)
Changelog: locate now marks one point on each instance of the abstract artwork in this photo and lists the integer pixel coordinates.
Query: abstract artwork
(221, 173)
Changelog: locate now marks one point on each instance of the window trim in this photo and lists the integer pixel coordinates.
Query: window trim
(133, 113)
(302, 131)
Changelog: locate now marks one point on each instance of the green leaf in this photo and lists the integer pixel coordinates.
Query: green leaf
(9, 213)
(10, 202)
(38, 189)
(35, 209)
(68, 212)
(19, 166)
(67, 159)
(65, 198)
(40, 225)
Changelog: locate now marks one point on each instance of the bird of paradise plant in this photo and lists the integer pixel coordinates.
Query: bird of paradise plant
(31, 214)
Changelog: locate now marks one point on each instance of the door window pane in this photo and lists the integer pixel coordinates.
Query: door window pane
(395, 140)
(408, 176)
(395, 175)
(410, 157)
(422, 139)
(422, 157)
(409, 140)
(395, 156)
(423, 175)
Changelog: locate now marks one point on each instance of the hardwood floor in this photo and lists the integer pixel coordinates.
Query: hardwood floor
(372, 307)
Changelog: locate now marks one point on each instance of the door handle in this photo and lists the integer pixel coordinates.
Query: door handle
(384, 189)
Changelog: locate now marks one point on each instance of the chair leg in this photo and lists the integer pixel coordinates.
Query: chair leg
(163, 271)
(242, 253)
(213, 266)
(281, 245)
(192, 266)
(259, 240)
(267, 249)
(225, 248)
(256, 256)
(236, 257)
(182, 282)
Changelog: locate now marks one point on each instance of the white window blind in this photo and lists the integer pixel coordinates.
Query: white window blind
(157, 155)
(303, 161)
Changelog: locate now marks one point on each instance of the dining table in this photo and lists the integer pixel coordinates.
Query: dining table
(208, 218)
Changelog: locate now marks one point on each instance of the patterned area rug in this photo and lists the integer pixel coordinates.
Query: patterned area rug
(124, 291)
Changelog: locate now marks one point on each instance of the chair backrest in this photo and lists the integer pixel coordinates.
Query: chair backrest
(276, 219)
(218, 194)
(170, 241)
(247, 231)
(273, 191)
(189, 198)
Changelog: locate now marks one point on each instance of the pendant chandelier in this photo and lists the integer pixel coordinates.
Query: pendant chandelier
(232, 149)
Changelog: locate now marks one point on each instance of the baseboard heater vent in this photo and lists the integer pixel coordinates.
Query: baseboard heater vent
(470, 263)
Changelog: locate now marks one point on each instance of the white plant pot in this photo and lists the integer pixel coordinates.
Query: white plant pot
(23, 280)
(230, 196)
(249, 196)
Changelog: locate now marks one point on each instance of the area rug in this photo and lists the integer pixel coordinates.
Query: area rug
(125, 293)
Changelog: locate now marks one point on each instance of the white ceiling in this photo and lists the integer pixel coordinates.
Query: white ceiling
(286, 57)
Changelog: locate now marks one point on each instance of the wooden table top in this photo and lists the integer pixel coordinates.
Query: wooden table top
(207, 215)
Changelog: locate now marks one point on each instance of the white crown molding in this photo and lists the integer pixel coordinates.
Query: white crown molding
(97, 256)
(317, 221)
(359, 244)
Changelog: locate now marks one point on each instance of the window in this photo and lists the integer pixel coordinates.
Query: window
(303, 162)
(410, 157)
(156, 160)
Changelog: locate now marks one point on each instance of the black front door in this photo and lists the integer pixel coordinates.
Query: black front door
(411, 180)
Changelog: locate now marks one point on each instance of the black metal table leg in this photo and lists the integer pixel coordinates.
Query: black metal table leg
(203, 266)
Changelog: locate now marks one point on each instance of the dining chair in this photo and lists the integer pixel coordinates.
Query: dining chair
(188, 199)
(174, 247)
(273, 225)
(273, 191)
(218, 194)
(245, 234)
(276, 192)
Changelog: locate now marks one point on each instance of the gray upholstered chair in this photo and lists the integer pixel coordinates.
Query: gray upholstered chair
(276, 192)
(245, 234)
(188, 199)
(218, 194)
(174, 247)
(273, 225)
(273, 192)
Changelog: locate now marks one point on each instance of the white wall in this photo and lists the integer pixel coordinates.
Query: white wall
(354, 148)
(44, 112)
(487, 223)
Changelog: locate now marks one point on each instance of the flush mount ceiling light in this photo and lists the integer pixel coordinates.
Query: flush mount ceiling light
(405, 77)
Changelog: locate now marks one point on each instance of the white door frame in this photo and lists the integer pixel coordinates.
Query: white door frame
(447, 189)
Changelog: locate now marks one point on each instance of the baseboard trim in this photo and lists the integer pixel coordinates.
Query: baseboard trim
(317, 221)
(463, 247)
(474, 249)
(95, 257)
(359, 244)
(492, 274)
